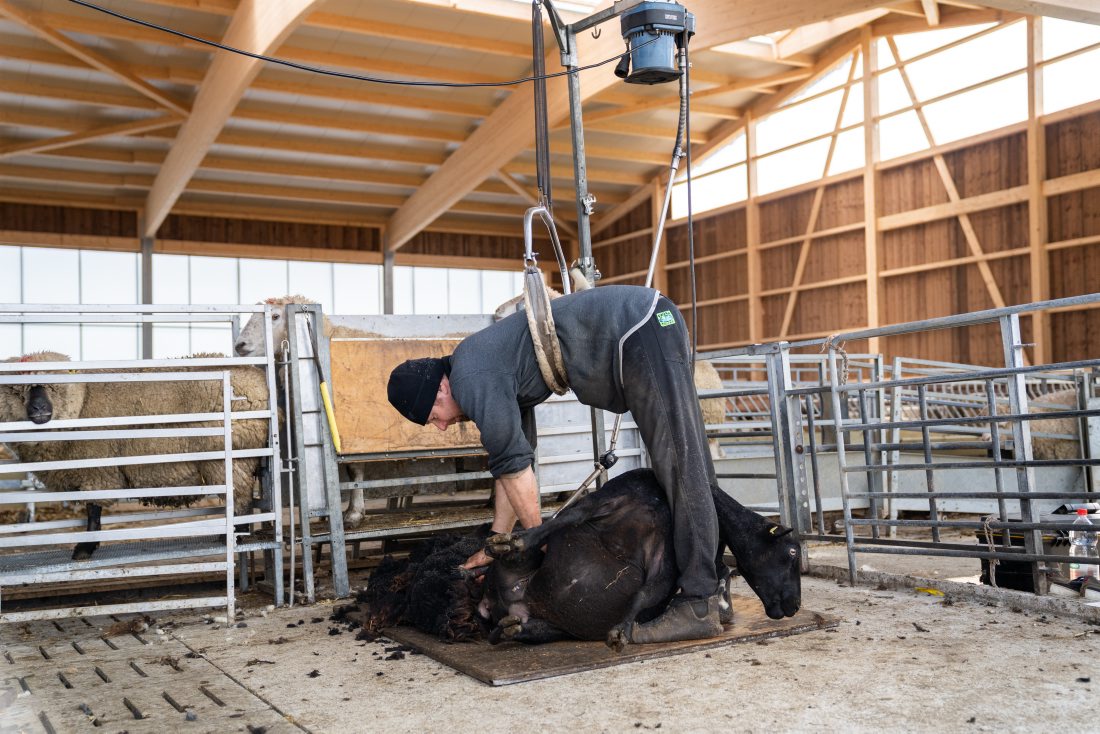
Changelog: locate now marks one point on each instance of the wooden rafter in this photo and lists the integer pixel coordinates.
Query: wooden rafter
(1079, 11)
(92, 58)
(256, 26)
(497, 139)
(807, 36)
(134, 127)
(931, 11)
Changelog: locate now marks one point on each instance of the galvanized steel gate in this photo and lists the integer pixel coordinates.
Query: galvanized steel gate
(914, 420)
(161, 543)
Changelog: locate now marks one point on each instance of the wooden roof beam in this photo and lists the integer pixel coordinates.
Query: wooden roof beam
(257, 26)
(931, 11)
(506, 132)
(1080, 11)
(803, 37)
(134, 127)
(93, 58)
(389, 31)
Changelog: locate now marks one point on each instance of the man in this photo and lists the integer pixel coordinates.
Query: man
(624, 348)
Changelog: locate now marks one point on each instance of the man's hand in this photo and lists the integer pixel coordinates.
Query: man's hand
(481, 558)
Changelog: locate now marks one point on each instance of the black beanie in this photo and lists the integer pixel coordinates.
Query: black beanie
(413, 386)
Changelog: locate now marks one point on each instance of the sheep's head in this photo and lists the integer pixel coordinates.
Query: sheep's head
(40, 403)
(250, 342)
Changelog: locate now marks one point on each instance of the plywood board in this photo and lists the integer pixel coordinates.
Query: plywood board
(516, 663)
(367, 422)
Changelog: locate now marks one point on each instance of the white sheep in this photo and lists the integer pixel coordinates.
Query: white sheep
(250, 343)
(1043, 447)
(64, 401)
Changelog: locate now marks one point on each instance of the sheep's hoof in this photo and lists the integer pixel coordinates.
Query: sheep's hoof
(84, 551)
(502, 544)
(617, 638)
(508, 628)
(352, 518)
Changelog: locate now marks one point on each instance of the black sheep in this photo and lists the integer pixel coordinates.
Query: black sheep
(607, 563)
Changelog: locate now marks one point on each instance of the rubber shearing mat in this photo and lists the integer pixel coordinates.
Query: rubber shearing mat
(512, 662)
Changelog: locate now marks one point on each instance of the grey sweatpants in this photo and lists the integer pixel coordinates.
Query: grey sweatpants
(660, 394)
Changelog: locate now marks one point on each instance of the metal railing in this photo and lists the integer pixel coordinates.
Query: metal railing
(934, 439)
(163, 543)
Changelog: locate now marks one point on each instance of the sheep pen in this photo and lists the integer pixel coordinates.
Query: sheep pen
(250, 343)
(64, 401)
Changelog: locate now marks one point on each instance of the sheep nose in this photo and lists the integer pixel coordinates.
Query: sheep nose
(39, 408)
(239, 348)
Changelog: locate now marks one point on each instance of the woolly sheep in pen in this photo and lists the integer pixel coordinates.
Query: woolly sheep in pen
(250, 343)
(42, 403)
(1043, 447)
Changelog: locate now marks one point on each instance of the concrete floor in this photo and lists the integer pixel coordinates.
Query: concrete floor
(974, 659)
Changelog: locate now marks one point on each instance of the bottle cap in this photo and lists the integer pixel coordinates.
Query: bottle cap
(1082, 511)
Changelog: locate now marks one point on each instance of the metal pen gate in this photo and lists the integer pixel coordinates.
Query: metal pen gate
(157, 543)
(917, 418)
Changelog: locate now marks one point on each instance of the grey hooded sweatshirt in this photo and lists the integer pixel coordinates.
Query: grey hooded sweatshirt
(495, 376)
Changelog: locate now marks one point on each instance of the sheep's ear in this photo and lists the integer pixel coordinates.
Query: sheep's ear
(778, 531)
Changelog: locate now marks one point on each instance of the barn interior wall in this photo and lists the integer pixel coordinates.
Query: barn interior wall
(938, 252)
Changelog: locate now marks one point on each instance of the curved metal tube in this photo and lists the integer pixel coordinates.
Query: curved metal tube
(528, 243)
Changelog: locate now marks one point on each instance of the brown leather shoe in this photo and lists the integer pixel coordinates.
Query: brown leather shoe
(685, 619)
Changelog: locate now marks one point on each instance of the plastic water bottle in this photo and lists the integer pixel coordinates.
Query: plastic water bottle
(1082, 549)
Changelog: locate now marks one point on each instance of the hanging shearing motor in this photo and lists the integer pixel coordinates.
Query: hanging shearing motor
(650, 30)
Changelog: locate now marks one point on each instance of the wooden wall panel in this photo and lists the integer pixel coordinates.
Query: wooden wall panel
(991, 166)
(777, 266)
(714, 279)
(634, 220)
(1073, 145)
(723, 323)
(920, 245)
(911, 186)
(785, 217)
(1076, 335)
(835, 257)
(830, 310)
(1013, 276)
(628, 256)
(1075, 271)
(841, 204)
(67, 220)
(1073, 215)
(724, 232)
(451, 244)
(1000, 229)
(259, 232)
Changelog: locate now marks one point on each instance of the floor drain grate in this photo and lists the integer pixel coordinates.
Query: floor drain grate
(133, 709)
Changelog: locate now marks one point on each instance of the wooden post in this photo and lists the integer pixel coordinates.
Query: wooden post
(870, 180)
(1037, 201)
(752, 239)
(656, 201)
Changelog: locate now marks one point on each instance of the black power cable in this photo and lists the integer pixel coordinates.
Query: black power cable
(344, 74)
(690, 217)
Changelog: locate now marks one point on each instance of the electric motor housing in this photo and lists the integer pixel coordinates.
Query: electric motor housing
(655, 24)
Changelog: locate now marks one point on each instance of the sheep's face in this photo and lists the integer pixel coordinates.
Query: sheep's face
(39, 403)
(250, 342)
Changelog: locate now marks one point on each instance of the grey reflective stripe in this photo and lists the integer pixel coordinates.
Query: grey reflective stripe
(635, 327)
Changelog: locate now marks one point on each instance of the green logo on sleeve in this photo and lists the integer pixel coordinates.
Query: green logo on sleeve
(665, 318)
